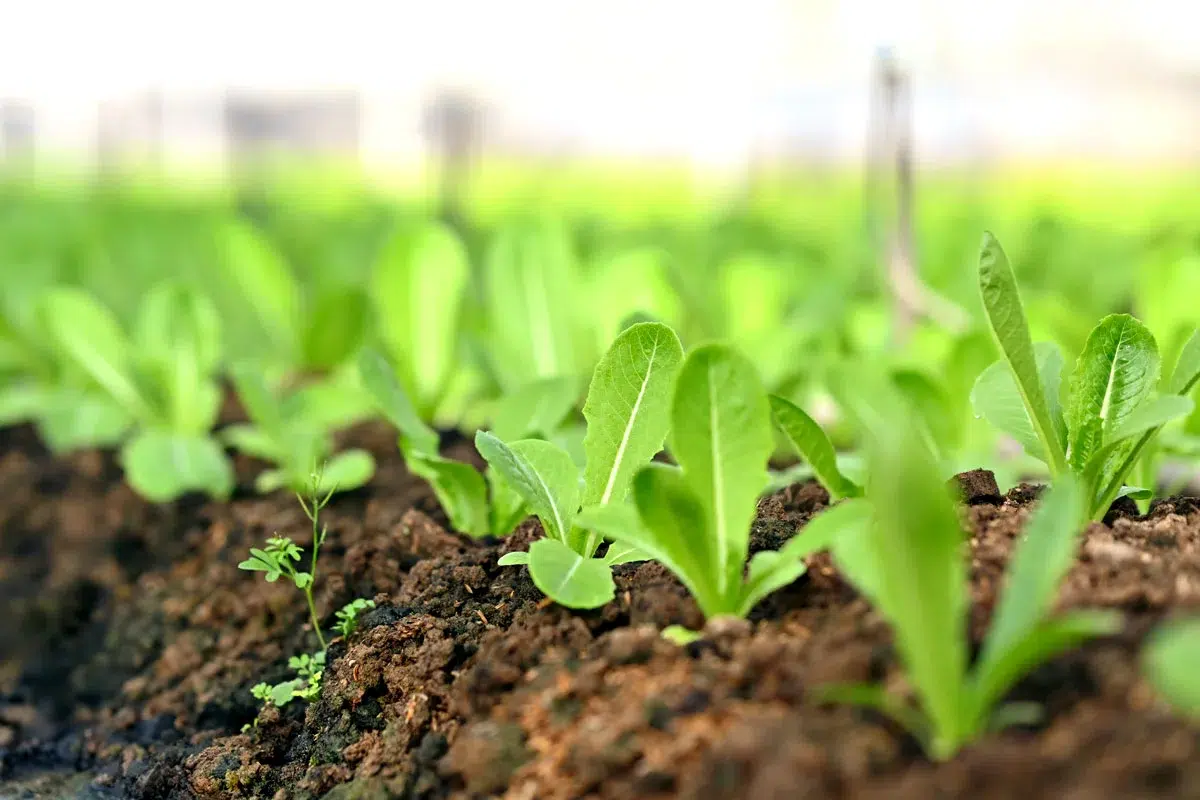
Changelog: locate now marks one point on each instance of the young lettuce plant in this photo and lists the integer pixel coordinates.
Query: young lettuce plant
(695, 518)
(164, 377)
(909, 562)
(1110, 415)
(477, 504)
(282, 433)
(627, 413)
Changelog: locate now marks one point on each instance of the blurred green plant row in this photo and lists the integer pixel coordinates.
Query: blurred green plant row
(124, 307)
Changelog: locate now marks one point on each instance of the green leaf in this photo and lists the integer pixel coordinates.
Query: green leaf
(513, 559)
(20, 402)
(178, 338)
(419, 286)
(621, 553)
(71, 420)
(335, 326)
(568, 578)
(536, 409)
(380, 380)
(1045, 641)
(932, 408)
(161, 466)
(814, 447)
(508, 508)
(542, 473)
(530, 274)
(253, 441)
(722, 439)
(671, 527)
(769, 571)
(1105, 477)
(1038, 565)
(250, 261)
(88, 333)
(1187, 367)
(346, 471)
(1006, 316)
(997, 398)
(679, 635)
(628, 409)
(272, 480)
(920, 573)
(1170, 658)
(1117, 370)
(460, 489)
(257, 397)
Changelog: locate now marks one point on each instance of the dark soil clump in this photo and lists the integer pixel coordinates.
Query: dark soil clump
(133, 640)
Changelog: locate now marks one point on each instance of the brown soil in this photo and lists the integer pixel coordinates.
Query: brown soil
(130, 643)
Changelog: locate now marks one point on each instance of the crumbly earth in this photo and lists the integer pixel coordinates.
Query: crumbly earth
(131, 640)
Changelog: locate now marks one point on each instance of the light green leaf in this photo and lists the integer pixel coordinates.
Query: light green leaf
(20, 402)
(920, 573)
(460, 489)
(1116, 372)
(769, 571)
(622, 553)
(876, 698)
(1006, 316)
(347, 471)
(419, 286)
(335, 326)
(1187, 367)
(257, 397)
(628, 409)
(679, 635)
(270, 480)
(722, 439)
(932, 407)
(508, 508)
(88, 333)
(251, 262)
(536, 409)
(629, 283)
(161, 466)
(997, 398)
(1170, 658)
(814, 447)
(542, 473)
(530, 274)
(253, 441)
(513, 559)
(70, 420)
(380, 380)
(568, 578)
(1038, 565)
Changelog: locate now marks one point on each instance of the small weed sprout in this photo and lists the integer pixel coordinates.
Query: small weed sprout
(280, 559)
(347, 616)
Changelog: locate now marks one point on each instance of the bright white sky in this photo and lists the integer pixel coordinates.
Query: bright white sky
(82, 48)
(632, 73)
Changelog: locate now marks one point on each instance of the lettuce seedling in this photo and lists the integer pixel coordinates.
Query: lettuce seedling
(695, 518)
(909, 562)
(282, 433)
(1110, 412)
(1169, 661)
(164, 378)
(627, 413)
(477, 504)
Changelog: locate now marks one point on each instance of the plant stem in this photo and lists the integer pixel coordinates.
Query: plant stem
(318, 539)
